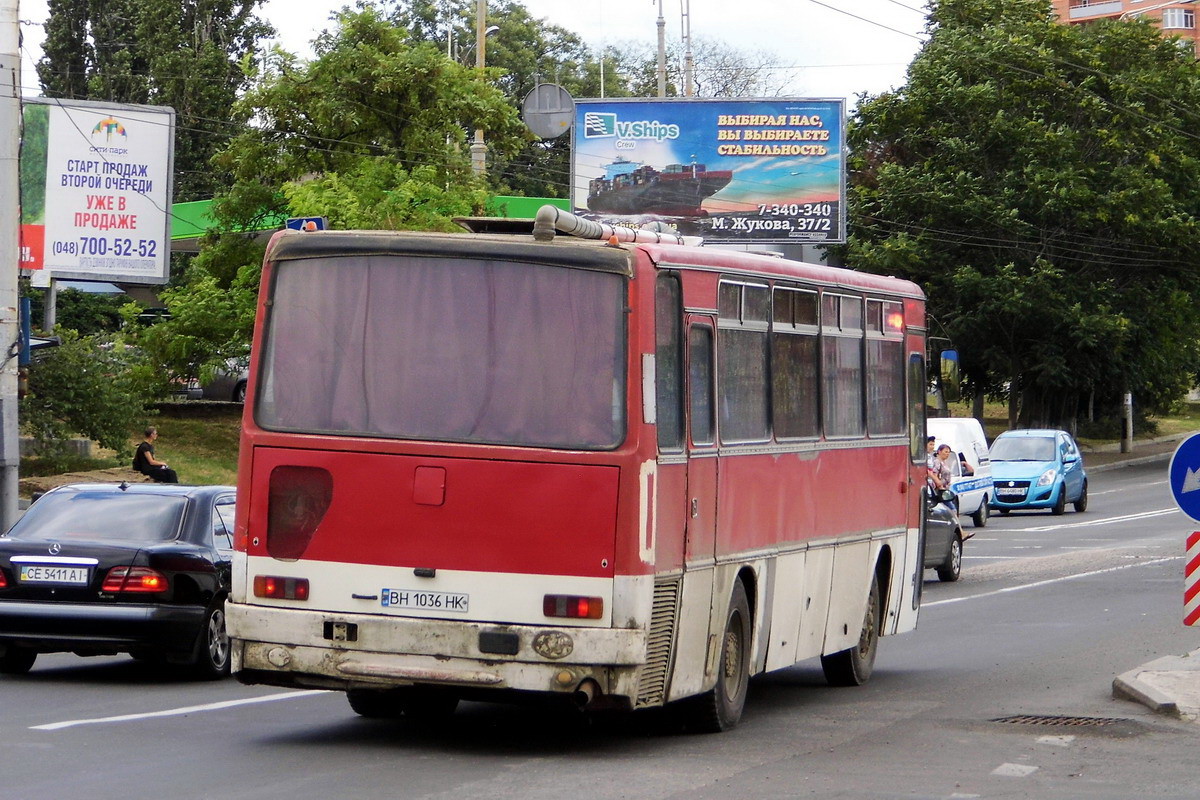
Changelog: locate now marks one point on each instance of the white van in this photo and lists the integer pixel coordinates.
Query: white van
(966, 439)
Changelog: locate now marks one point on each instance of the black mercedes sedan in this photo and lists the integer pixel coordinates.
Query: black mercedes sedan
(100, 569)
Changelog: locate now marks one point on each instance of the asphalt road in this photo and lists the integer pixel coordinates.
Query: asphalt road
(1048, 612)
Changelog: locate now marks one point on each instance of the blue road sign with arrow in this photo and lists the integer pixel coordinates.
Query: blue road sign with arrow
(1184, 476)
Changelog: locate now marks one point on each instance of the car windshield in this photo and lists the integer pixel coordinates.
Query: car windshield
(1023, 448)
(62, 516)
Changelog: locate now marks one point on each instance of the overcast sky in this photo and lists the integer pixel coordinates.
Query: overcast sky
(831, 48)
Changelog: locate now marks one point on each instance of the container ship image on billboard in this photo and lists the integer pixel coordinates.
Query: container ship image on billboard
(677, 191)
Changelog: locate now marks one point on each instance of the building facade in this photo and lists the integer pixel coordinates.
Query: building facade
(1175, 18)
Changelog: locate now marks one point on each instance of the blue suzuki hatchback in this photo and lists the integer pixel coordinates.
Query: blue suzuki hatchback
(1037, 469)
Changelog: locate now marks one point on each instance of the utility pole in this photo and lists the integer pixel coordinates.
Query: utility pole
(10, 221)
(478, 148)
(662, 52)
(688, 90)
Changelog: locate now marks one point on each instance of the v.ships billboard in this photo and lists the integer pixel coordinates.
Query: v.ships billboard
(737, 171)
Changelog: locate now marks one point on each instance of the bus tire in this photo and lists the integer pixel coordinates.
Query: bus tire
(720, 708)
(853, 667)
(430, 702)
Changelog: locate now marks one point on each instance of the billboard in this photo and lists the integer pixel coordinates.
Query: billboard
(96, 190)
(735, 171)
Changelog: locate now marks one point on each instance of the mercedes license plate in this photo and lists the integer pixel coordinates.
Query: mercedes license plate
(425, 601)
(44, 573)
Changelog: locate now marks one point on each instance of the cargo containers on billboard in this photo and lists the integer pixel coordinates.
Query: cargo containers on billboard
(737, 171)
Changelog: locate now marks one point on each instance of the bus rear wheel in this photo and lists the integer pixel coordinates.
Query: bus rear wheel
(720, 708)
(853, 667)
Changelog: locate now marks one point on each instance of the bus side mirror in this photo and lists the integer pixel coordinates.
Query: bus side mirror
(949, 376)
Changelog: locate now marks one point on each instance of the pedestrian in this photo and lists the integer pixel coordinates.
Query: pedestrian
(929, 450)
(145, 462)
(940, 470)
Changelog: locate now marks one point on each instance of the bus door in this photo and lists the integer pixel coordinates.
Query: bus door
(700, 512)
(700, 546)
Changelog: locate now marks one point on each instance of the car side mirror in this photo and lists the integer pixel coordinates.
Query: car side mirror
(947, 496)
(1070, 459)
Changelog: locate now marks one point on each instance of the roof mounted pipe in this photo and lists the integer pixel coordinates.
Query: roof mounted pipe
(552, 219)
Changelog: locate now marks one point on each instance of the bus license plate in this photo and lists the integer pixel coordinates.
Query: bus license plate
(40, 573)
(425, 601)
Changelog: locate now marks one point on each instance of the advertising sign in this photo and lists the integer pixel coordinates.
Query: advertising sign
(96, 190)
(736, 171)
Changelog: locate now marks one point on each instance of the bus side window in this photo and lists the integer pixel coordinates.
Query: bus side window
(700, 369)
(668, 358)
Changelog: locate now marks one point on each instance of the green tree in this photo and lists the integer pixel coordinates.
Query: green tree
(195, 56)
(91, 386)
(1040, 182)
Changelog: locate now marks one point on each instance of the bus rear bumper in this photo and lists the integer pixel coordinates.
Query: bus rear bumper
(300, 648)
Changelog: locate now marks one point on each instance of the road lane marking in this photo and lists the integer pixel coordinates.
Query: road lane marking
(1057, 741)
(174, 712)
(1125, 488)
(1015, 770)
(1049, 581)
(1104, 520)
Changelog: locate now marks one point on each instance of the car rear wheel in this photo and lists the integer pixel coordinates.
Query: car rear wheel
(212, 649)
(853, 667)
(17, 660)
(980, 517)
(951, 568)
(239, 392)
(1060, 505)
(1081, 503)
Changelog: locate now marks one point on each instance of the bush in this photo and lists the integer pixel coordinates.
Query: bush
(89, 386)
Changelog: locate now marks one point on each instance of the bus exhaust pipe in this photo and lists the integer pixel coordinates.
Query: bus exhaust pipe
(585, 694)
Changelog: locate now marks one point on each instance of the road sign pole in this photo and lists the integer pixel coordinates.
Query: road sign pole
(1191, 581)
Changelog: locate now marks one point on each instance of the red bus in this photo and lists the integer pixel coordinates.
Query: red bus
(627, 473)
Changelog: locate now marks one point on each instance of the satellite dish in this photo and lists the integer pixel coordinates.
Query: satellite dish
(548, 110)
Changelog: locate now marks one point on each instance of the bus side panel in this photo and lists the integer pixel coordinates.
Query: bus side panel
(692, 641)
(818, 578)
(852, 570)
(787, 587)
(767, 500)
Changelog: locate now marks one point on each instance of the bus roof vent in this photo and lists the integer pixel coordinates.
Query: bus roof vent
(552, 219)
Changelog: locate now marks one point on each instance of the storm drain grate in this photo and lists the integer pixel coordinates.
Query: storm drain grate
(1074, 722)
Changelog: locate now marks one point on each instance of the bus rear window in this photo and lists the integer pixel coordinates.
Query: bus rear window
(447, 350)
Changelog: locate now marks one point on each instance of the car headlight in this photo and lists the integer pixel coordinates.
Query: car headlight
(1047, 477)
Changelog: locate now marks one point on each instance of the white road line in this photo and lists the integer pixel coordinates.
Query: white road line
(1050, 581)
(1126, 488)
(1015, 770)
(1104, 520)
(174, 712)
(1057, 741)
(992, 558)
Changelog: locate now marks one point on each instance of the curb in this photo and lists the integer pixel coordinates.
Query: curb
(1128, 687)
(1132, 462)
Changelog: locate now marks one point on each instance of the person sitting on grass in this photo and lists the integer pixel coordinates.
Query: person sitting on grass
(145, 462)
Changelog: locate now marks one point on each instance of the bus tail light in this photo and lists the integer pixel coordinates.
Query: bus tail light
(280, 588)
(134, 579)
(299, 498)
(566, 605)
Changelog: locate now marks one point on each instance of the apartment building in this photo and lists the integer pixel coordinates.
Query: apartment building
(1175, 18)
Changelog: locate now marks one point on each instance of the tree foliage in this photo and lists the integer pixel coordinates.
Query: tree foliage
(90, 386)
(192, 55)
(1039, 180)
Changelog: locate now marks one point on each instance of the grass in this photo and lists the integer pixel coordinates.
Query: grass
(198, 440)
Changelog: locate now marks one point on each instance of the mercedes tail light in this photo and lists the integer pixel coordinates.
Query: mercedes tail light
(134, 579)
(280, 588)
(3, 580)
(565, 605)
(299, 498)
